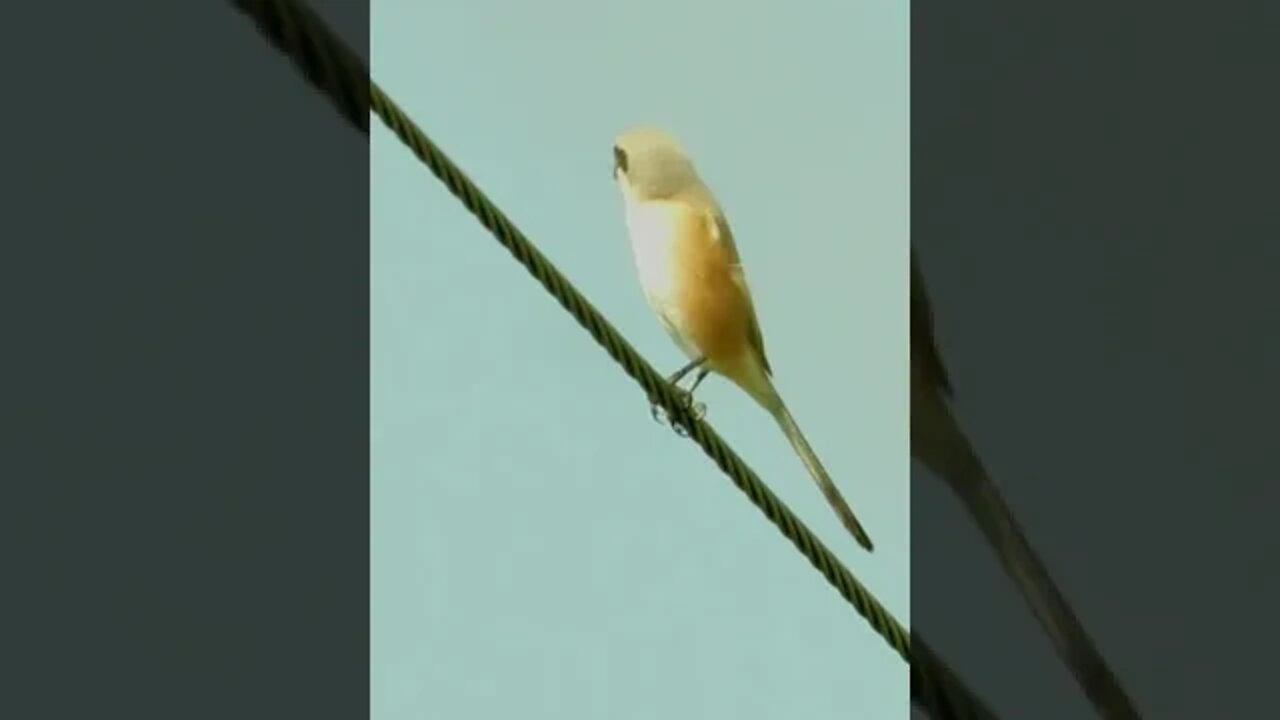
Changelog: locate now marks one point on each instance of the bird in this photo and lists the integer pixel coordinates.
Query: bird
(940, 444)
(692, 277)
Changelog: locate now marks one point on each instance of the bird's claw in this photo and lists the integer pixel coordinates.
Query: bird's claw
(695, 409)
(659, 415)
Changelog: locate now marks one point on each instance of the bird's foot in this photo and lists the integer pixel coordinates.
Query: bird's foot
(695, 409)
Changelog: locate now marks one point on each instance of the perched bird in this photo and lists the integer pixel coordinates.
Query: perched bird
(692, 277)
(938, 442)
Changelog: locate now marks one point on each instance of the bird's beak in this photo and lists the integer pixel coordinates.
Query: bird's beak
(619, 162)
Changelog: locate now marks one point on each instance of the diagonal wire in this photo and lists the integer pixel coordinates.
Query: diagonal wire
(333, 68)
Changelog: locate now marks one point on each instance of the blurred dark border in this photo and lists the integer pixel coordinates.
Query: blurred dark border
(185, 277)
(1094, 193)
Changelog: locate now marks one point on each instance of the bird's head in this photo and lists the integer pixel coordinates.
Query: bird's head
(650, 164)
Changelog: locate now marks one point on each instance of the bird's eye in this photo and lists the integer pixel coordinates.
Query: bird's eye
(619, 159)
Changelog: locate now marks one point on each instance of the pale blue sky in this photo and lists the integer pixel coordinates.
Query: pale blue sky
(541, 548)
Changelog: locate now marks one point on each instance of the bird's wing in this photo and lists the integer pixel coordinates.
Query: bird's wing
(722, 233)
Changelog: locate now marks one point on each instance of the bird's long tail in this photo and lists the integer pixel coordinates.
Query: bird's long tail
(819, 473)
(939, 443)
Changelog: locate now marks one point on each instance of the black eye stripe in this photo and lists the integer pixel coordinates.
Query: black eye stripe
(619, 158)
